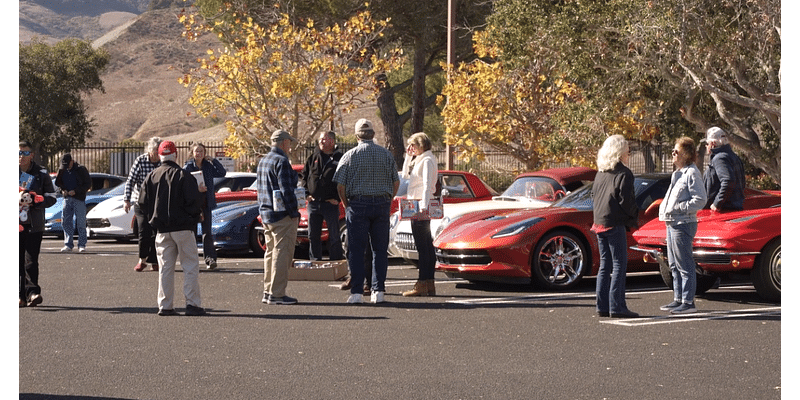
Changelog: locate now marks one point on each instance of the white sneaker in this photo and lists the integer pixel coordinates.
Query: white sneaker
(66, 249)
(377, 297)
(355, 298)
(81, 249)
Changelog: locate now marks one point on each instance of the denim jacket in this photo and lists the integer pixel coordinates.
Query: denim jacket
(685, 197)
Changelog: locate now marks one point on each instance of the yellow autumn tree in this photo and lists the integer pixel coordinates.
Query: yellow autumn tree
(493, 105)
(284, 76)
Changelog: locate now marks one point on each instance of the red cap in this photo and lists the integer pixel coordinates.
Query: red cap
(167, 148)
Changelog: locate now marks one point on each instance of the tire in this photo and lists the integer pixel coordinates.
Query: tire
(704, 281)
(256, 242)
(766, 273)
(343, 236)
(559, 261)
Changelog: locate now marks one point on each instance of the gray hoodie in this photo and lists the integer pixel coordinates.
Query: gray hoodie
(685, 197)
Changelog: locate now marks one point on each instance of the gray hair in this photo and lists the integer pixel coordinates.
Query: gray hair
(170, 157)
(611, 152)
(152, 144)
(421, 140)
(365, 134)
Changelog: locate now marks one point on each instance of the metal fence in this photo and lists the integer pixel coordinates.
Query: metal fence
(498, 170)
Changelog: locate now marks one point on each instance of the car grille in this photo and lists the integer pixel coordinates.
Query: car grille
(405, 241)
(463, 257)
(711, 258)
(97, 223)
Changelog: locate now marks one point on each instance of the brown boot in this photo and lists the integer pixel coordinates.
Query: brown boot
(420, 289)
(431, 283)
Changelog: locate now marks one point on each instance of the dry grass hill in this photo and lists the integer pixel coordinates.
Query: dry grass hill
(147, 54)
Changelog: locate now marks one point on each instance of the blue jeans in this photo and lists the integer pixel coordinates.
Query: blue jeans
(368, 222)
(319, 211)
(421, 231)
(613, 267)
(74, 210)
(681, 262)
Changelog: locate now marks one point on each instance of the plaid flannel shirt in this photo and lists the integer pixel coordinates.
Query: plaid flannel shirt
(275, 173)
(139, 170)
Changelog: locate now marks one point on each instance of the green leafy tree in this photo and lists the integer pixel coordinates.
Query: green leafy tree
(52, 81)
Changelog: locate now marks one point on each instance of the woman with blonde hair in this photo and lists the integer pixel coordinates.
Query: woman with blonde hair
(420, 169)
(615, 211)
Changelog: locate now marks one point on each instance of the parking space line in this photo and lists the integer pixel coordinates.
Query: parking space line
(707, 316)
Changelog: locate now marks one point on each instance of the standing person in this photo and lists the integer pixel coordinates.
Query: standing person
(32, 228)
(170, 202)
(615, 211)
(74, 181)
(367, 180)
(419, 167)
(143, 165)
(276, 182)
(211, 168)
(686, 195)
(323, 198)
(724, 177)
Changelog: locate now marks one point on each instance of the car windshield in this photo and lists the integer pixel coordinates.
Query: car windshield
(116, 191)
(534, 187)
(647, 189)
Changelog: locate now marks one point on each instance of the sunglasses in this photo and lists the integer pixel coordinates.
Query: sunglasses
(25, 152)
(674, 152)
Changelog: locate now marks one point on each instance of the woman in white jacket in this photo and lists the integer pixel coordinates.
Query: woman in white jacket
(685, 197)
(419, 167)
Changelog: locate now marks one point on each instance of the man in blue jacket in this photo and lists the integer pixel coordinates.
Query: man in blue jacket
(724, 175)
(74, 181)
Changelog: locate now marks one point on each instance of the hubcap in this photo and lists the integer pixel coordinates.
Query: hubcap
(561, 260)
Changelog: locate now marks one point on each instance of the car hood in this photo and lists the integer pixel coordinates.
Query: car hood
(106, 207)
(228, 209)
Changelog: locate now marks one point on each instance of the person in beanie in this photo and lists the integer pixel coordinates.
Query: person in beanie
(74, 181)
(276, 182)
(211, 168)
(367, 180)
(170, 201)
(724, 176)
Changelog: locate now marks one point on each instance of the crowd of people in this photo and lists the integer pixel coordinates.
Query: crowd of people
(169, 203)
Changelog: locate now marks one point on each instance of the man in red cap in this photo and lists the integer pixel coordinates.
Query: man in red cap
(170, 201)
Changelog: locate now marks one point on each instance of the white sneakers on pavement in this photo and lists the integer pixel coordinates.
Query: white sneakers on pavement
(355, 298)
(66, 249)
(377, 297)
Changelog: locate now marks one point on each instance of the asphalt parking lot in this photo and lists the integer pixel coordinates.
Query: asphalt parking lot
(97, 335)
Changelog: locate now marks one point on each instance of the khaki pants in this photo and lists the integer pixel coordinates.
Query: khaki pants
(280, 238)
(169, 246)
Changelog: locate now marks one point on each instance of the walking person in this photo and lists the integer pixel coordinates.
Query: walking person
(419, 167)
(32, 225)
(211, 168)
(276, 182)
(74, 181)
(142, 166)
(686, 195)
(615, 212)
(723, 179)
(367, 180)
(170, 202)
(323, 198)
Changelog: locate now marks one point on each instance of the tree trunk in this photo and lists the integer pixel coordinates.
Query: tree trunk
(418, 88)
(392, 126)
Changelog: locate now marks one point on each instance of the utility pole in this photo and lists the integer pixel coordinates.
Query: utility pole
(451, 40)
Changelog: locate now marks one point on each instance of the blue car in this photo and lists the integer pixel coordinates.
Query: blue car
(235, 227)
(104, 186)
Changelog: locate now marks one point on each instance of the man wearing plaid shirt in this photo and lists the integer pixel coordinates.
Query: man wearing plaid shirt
(367, 180)
(142, 166)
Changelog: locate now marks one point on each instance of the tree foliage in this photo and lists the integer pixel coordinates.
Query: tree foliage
(284, 75)
(52, 80)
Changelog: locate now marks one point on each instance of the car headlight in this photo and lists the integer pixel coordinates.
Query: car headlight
(394, 220)
(517, 228)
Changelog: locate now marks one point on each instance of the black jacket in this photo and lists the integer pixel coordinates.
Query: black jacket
(42, 185)
(724, 179)
(81, 175)
(169, 199)
(615, 198)
(317, 175)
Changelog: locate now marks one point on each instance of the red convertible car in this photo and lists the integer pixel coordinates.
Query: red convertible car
(551, 247)
(737, 242)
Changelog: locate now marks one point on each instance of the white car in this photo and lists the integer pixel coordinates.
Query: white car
(109, 219)
(529, 190)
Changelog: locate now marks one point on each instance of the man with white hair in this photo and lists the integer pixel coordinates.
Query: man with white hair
(724, 175)
(367, 180)
(171, 202)
(143, 165)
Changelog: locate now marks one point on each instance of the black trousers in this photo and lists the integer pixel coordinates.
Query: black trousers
(147, 237)
(30, 244)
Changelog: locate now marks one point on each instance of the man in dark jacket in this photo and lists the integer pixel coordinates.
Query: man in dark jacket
(36, 180)
(724, 175)
(323, 198)
(171, 202)
(74, 181)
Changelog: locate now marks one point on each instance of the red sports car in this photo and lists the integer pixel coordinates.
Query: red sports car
(746, 241)
(551, 247)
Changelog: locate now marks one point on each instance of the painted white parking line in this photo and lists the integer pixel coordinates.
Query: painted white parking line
(700, 316)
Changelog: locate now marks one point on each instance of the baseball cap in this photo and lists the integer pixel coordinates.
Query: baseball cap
(714, 134)
(167, 148)
(280, 134)
(65, 159)
(363, 125)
